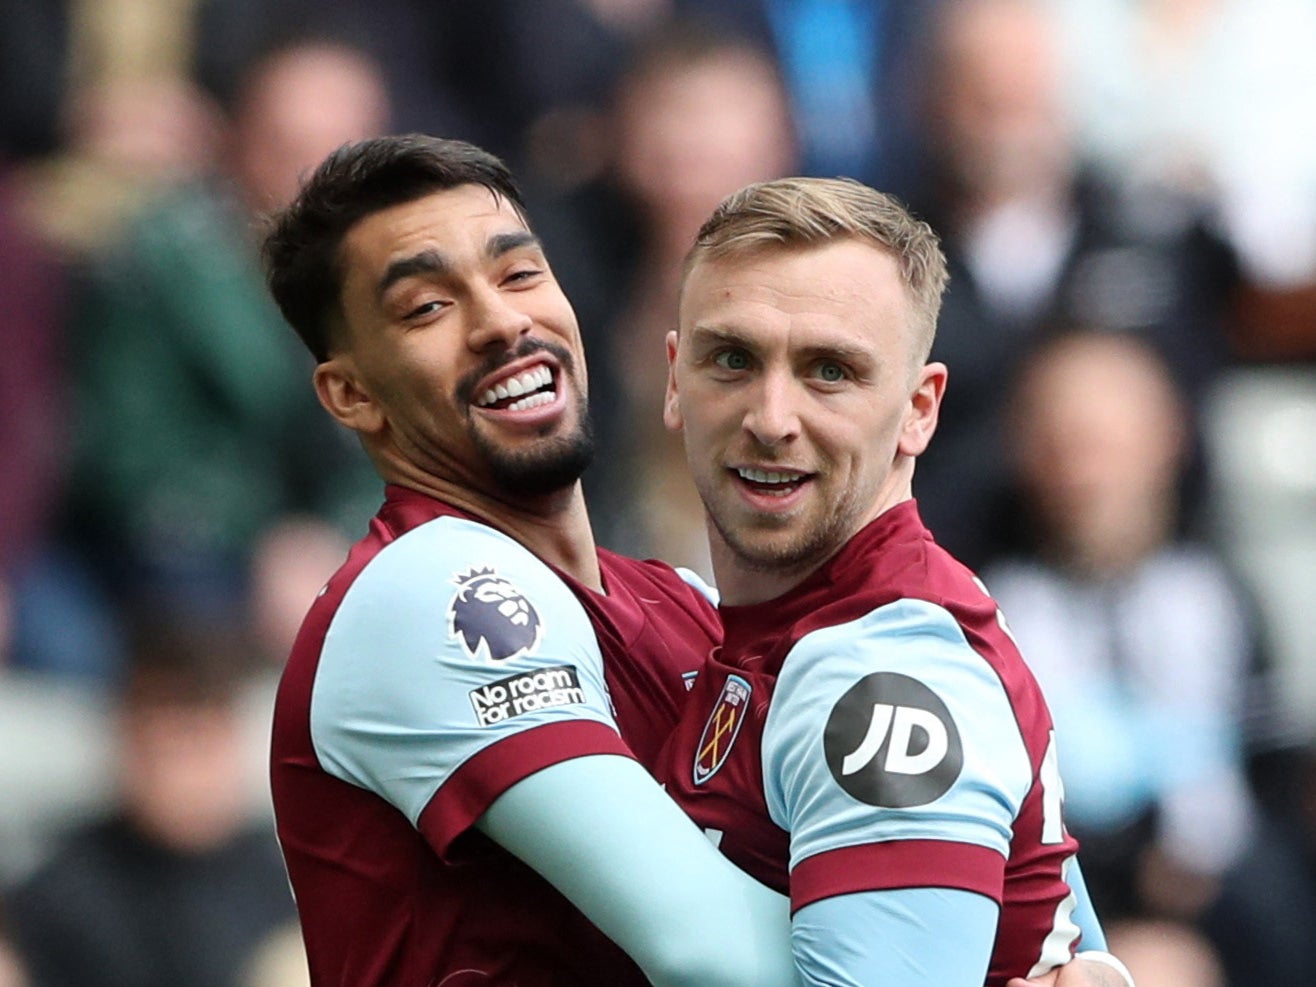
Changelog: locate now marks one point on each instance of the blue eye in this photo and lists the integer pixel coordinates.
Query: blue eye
(732, 360)
(832, 373)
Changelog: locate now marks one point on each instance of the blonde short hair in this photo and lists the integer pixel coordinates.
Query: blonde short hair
(806, 212)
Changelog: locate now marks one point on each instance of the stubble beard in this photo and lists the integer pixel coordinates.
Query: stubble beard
(552, 466)
(555, 463)
(800, 552)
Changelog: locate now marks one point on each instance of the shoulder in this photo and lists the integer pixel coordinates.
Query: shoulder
(1193, 570)
(907, 668)
(675, 581)
(89, 859)
(906, 654)
(656, 584)
(450, 639)
(481, 583)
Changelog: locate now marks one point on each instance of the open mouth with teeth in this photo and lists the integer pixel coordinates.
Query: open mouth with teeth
(776, 483)
(528, 389)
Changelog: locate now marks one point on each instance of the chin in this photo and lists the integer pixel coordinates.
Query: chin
(542, 471)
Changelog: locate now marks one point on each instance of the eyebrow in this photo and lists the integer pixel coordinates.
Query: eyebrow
(431, 262)
(425, 262)
(729, 336)
(719, 334)
(503, 243)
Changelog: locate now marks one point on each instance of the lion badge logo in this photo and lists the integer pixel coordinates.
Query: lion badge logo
(491, 617)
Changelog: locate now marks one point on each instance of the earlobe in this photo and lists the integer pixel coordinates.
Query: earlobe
(671, 403)
(924, 407)
(342, 396)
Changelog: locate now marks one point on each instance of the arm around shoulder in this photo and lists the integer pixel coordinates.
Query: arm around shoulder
(605, 834)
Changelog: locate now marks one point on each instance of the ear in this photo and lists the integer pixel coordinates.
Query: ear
(671, 403)
(340, 392)
(924, 406)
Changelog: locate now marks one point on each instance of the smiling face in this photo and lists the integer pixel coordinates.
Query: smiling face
(459, 359)
(794, 380)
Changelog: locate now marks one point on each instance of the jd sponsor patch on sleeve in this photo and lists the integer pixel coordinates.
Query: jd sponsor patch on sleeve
(528, 692)
(491, 617)
(891, 742)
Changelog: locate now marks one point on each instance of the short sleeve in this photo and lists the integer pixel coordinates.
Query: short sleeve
(892, 755)
(456, 665)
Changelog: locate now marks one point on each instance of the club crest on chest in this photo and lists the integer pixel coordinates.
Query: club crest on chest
(722, 728)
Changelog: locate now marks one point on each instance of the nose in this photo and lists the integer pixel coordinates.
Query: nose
(773, 417)
(495, 320)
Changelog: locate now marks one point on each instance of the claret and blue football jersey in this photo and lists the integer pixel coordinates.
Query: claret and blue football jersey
(876, 728)
(440, 666)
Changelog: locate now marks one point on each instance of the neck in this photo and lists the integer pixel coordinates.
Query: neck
(555, 527)
(741, 583)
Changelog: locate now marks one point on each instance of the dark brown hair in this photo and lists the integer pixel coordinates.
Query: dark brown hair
(302, 246)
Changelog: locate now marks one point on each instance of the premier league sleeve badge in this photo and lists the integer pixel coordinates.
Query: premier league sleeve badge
(492, 618)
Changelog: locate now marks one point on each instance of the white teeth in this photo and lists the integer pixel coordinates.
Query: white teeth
(523, 383)
(532, 401)
(766, 476)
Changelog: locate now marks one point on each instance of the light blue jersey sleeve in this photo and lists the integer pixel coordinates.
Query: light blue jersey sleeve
(893, 756)
(892, 728)
(833, 938)
(604, 833)
(452, 639)
(691, 919)
(898, 937)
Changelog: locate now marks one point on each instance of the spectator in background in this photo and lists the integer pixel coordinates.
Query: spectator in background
(1139, 638)
(435, 58)
(1147, 652)
(697, 115)
(1165, 954)
(1033, 238)
(191, 449)
(279, 961)
(848, 67)
(534, 76)
(110, 82)
(1215, 99)
(179, 885)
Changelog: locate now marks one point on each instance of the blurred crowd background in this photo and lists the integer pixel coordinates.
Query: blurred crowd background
(1126, 190)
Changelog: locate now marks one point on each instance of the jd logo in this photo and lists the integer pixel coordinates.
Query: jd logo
(890, 741)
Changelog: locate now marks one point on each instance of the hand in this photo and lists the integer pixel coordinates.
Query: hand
(1076, 973)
